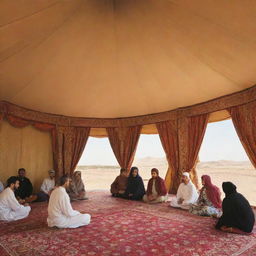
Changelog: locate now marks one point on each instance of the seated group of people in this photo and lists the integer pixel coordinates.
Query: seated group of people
(132, 187)
(234, 213)
(15, 197)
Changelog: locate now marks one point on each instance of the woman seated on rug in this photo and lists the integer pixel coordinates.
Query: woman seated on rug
(76, 190)
(238, 216)
(209, 201)
(119, 185)
(135, 188)
(156, 190)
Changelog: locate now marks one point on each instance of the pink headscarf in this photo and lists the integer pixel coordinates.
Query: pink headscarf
(212, 191)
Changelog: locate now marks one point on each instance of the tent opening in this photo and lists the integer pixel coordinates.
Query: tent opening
(150, 154)
(223, 157)
(98, 164)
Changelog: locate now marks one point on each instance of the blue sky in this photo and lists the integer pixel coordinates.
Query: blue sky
(220, 143)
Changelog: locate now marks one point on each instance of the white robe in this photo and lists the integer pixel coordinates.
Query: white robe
(61, 213)
(47, 185)
(188, 193)
(10, 209)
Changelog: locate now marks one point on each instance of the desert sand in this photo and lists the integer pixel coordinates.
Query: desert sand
(242, 174)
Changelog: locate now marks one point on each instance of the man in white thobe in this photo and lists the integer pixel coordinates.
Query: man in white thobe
(60, 211)
(10, 209)
(48, 183)
(45, 190)
(186, 194)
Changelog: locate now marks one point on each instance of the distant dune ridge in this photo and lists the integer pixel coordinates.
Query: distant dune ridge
(241, 173)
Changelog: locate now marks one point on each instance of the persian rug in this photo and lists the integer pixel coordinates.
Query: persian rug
(119, 228)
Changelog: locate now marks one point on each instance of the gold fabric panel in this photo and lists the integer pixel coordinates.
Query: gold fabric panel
(25, 147)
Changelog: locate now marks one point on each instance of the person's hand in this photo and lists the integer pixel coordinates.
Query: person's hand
(121, 191)
(180, 201)
(26, 204)
(151, 197)
(21, 201)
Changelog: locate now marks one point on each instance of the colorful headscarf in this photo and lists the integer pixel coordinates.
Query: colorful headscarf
(212, 191)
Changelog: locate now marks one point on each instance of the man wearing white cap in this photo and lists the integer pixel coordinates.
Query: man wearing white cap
(186, 194)
(45, 190)
(47, 187)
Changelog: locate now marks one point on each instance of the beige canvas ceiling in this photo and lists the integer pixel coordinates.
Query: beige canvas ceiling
(120, 58)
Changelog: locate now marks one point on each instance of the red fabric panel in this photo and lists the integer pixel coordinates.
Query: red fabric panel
(68, 145)
(244, 120)
(123, 141)
(168, 133)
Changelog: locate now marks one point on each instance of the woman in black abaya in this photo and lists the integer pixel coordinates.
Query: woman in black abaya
(238, 216)
(135, 188)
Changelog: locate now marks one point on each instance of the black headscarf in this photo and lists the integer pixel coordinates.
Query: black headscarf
(237, 211)
(135, 185)
(229, 188)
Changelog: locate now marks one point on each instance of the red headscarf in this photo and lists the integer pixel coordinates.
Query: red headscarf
(212, 191)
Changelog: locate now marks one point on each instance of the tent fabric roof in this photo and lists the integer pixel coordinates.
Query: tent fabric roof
(121, 58)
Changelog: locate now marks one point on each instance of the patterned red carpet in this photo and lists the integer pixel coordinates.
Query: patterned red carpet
(121, 227)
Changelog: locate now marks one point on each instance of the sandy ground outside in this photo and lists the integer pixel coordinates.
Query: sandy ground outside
(242, 174)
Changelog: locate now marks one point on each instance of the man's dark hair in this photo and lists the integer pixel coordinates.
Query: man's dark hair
(21, 169)
(11, 180)
(122, 170)
(63, 179)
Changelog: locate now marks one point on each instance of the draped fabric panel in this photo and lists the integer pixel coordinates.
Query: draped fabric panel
(44, 127)
(244, 120)
(124, 141)
(1, 116)
(168, 133)
(196, 130)
(21, 123)
(68, 146)
(17, 122)
(80, 140)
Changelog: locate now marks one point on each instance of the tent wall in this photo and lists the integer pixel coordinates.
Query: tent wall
(29, 151)
(25, 147)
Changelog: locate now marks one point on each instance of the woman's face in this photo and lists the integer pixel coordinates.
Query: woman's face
(135, 173)
(203, 183)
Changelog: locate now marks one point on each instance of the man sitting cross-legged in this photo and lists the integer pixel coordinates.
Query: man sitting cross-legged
(119, 185)
(186, 194)
(156, 190)
(46, 189)
(10, 209)
(60, 211)
(24, 192)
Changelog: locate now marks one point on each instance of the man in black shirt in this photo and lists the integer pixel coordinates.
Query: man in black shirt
(25, 189)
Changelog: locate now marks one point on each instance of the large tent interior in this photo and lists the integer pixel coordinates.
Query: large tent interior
(70, 69)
